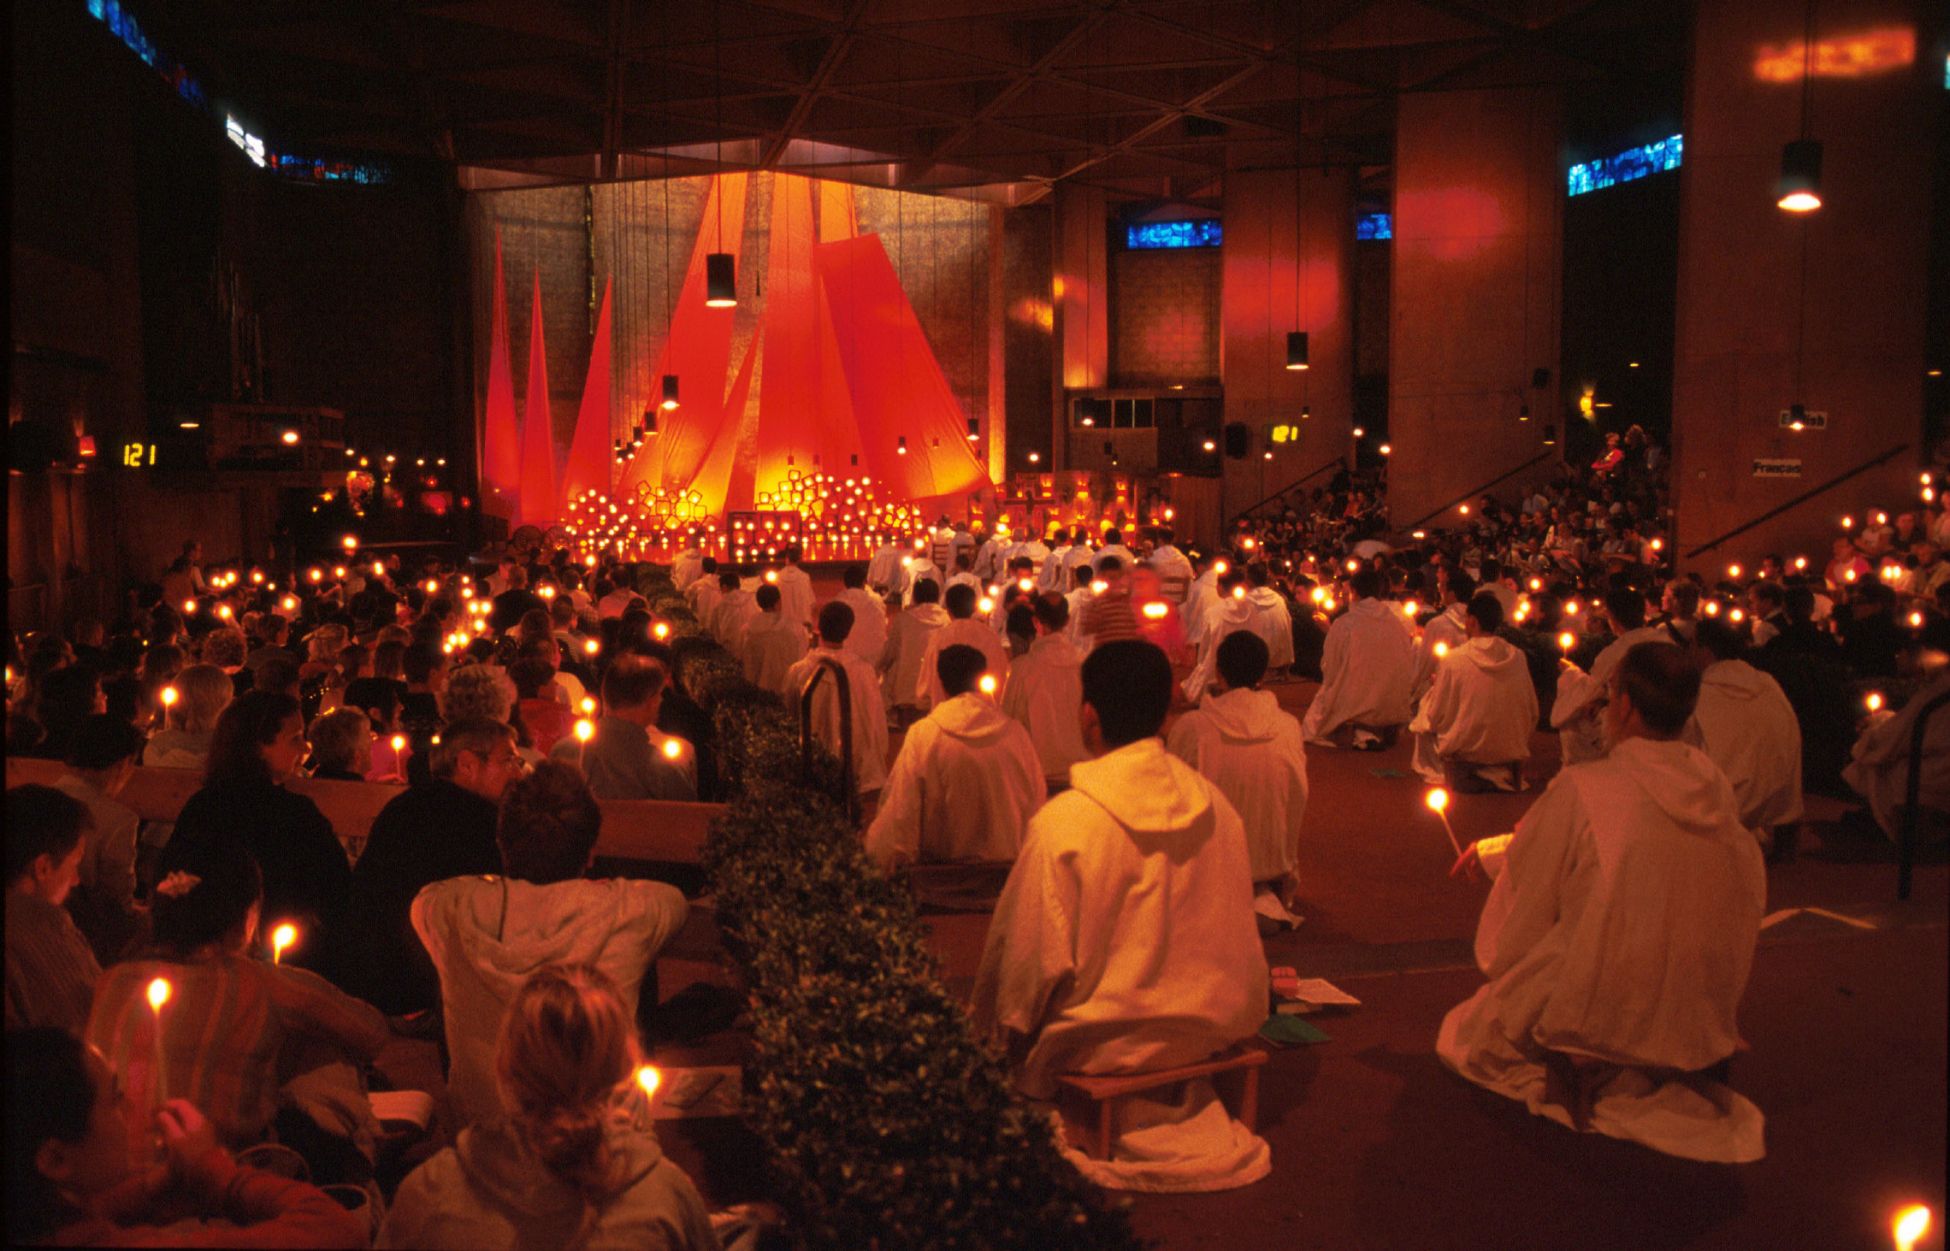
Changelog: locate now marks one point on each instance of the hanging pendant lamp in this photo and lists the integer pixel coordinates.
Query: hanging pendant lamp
(1799, 188)
(720, 280)
(1296, 349)
(669, 400)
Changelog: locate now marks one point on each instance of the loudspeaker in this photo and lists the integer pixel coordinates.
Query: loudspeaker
(1238, 440)
(1540, 378)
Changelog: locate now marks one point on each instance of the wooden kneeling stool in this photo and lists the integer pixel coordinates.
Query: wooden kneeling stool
(1105, 1089)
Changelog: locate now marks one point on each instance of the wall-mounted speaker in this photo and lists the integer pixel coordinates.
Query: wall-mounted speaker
(1540, 378)
(1238, 440)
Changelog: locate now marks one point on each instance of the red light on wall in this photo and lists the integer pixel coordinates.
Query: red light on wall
(85, 445)
(1845, 56)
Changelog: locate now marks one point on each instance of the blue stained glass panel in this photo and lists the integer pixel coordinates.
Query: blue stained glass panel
(1374, 226)
(1630, 165)
(1204, 232)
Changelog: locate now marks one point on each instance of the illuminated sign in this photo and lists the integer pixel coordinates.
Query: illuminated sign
(139, 455)
(1374, 226)
(1284, 433)
(1845, 56)
(1630, 165)
(1202, 233)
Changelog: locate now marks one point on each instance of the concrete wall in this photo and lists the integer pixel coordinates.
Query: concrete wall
(1837, 297)
(1164, 313)
(1478, 201)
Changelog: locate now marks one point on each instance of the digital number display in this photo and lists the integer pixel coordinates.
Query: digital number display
(139, 455)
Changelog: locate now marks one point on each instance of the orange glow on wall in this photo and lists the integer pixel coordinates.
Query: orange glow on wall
(1844, 56)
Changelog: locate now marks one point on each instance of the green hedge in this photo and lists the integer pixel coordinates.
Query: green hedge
(888, 1126)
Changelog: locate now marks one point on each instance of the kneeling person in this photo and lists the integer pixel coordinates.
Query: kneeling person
(1473, 728)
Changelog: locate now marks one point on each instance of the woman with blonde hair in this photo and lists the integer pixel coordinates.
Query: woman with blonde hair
(202, 693)
(574, 1163)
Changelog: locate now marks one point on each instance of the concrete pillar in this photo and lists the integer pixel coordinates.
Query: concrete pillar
(1836, 298)
(1081, 296)
(1279, 277)
(1474, 305)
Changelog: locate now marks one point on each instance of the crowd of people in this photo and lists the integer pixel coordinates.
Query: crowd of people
(1093, 711)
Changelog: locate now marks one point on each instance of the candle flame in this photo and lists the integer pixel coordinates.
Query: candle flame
(672, 749)
(985, 605)
(1566, 641)
(589, 705)
(399, 742)
(159, 991)
(1441, 649)
(987, 684)
(591, 647)
(661, 630)
(585, 729)
(1873, 701)
(1437, 799)
(169, 697)
(1410, 608)
(189, 606)
(350, 542)
(1156, 610)
(648, 1078)
(1099, 587)
(1910, 1225)
(281, 937)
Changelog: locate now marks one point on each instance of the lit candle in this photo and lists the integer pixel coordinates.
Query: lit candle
(169, 697)
(1873, 701)
(987, 684)
(672, 749)
(159, 991)
(648, 1079)
(661, 630)
(585, 729)
(1438, 802)
(1441, 649)
(1910, 1225)
(591, 647)
(1566, 641)
(281, 937)
(588, 706)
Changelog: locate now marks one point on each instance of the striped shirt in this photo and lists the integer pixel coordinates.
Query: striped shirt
(51, 972)
(226, 1024)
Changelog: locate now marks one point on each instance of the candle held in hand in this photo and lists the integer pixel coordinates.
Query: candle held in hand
(282, 937)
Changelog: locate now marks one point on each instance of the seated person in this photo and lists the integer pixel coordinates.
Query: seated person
(964, 629)
(907, 642)
(1230, 613)
(1367, 671)
(74, 1181)
(436, 829)
(100, 763)
(773, 642)
(341, 745)
(868, 714)
(1045, 690)
(1473, 729)
(1241, 741)
(486, 934)
(1619, 935)
(247, 1041)
(548, 719)
(575, 1161)
(1272, 617)
(258, 745)
(1745, 724)
(628, 757)
(1124, 940)
(1878, 768)
(1577, 713)
(51, 969)
(965, 781)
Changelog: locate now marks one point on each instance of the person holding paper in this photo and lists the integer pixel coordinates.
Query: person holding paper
(1619, 934)
(1124, 939)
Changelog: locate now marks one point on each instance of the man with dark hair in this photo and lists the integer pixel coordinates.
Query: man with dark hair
(100, 764)
(1241, 741)
(908, 636)
(795, 591)
(1367, 672)
(627, 756)
(736, 606)
(1580, 696)
(964, 629)
(866, 712)
(1447, 630)
(868, 635)
(380, 959)
(1124, 940)
(1045, 690)
(1473, 729)
(966, 779)
(51, 971)
(487, 934)
(705, 591)
(773, 642)
(1619, 934)
(1744, 723)
(1271, 618)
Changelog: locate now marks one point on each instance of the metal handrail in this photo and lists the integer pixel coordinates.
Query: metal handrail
(1337, 463)
(1473, 492)
(1798, 500)
(844, 689)
(1912, 796)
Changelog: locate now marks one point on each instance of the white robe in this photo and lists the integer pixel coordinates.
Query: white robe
(1171, 565)
(970, 632)
(687, 568)
(869, 714)
(1367, 671)
(1272, 620)
(704, 595)
(796, 595)
(869, 634)
(1242, 743)
(1123, 942)
(1114, 551)
(886, 570)
(733, 613)
(1202, 597)
(962, 789)
(1574, 715)
(1878, 768)
(1045, 695)
(1227, 616)
(771, 646)
(1621, 929)
(1447, 628)
(1055, 573)
(1745, 724)
(1482, 708)
(907, 640)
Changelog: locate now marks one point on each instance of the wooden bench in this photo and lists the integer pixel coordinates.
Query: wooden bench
(1105, 1089)
(633, 829)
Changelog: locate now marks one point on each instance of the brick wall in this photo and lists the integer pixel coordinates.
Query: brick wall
(1164, 316)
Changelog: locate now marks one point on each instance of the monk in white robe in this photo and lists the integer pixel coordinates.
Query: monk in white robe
(1124, 940)
(869, 634)
(963, 629)
(887, 571)
(1241, 741)
(1745, 725)
(703, 595)
(1446, 631)
(1045, 690)
(735, 608)
(773, 643)
(1878, 767)
(965, 781)
(1272, 620)
(1229, 614)
(1473, 727)
(1619, 935)
(1202, 597)
(796, 591)
(1173, 567)
(1367, 670)
(1575, 714)
(907, 642)
(687, 566)
(867, 713)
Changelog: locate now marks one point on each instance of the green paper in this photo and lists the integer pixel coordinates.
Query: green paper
(1388, 773)
(1290, 1031)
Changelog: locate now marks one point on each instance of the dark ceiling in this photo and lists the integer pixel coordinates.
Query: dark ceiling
(991, 98)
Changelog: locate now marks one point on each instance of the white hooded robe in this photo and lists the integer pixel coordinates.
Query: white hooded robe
(869, 714)
(1367, 671)
(907, 640)
(1745, 724)
(961, 789)
(1045, 695)
(1483, 706)
(1244, 744)
(967, 632)
(1577, 693)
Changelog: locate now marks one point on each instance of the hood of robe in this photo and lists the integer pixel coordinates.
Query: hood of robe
(1265, 597)
(1249, 716)
(1736, 679)
(1057, 652)
(563, 922)
(1233, 615)
(1492, 655)
(1140, 787)
(508, 1174)
(1681, 781)
(929, 614)
(972, 719)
